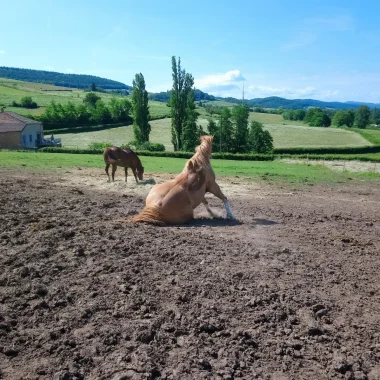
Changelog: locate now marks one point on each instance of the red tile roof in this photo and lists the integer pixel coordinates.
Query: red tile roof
(12, 122)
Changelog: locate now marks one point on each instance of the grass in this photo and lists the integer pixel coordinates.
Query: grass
(284, 136)
(43, 94)
(273, 171)
(372, 135)
(161, 132)
(292, 136)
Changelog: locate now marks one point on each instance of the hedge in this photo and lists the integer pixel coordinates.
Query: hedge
(331, 157)
(187, 155)
(333, 150)
(83, 128)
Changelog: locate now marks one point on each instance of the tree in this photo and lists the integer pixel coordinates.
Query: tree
(101, 113)
(375, 117)
(190, 134)
(224, 140)
(182, 85)
(343, 117)
(27, 102)
(93, 87)
(120, 109)
(141, 126)
(212, 127)
(259, 140)
(362, 116)
(239, 117)
(90, 99)
(316, 117)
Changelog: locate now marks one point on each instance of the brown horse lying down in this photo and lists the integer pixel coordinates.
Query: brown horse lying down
(173, 202)
(125, 158)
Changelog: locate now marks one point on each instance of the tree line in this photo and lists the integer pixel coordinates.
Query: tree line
(60, 79)
(362, 117)
(92, 111)
(231, 131)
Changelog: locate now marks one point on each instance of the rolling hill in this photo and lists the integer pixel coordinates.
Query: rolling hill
(276, 102)
(60, 79)
(83, 81)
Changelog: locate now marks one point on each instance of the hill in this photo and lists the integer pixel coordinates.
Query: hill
(14, 90)
(276, 102)
(60, 79)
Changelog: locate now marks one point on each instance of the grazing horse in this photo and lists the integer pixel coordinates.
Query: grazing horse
(125, 158)
(173, 202)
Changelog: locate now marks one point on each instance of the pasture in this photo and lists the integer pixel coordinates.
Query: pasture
(276, 170)
(43, 94)
(284, 135)
(291, 290)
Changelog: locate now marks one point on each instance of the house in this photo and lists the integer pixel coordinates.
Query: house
(18, 132)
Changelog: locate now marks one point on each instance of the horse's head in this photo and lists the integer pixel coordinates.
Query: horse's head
(140, 173)
(207, 138)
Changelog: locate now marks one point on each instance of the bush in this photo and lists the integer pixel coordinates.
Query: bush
(27, 102)
(187, 155)
(99, 146)
(148, 146)
(152, 147)
(335, 150)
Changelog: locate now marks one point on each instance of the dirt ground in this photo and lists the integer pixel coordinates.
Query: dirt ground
(339, 165)
(290, 292)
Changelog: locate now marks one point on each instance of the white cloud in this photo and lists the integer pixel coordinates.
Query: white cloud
(2, 51)
(49, 68)
(218, 84)
(69, 71)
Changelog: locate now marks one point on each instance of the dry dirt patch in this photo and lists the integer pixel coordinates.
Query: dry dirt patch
(290, 293)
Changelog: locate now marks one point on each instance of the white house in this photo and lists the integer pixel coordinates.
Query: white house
(18, 132)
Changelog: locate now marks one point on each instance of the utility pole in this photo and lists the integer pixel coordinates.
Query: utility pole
(243, 95)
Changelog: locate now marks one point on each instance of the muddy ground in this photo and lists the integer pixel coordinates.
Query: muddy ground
(293, 292)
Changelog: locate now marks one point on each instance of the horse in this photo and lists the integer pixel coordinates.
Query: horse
(125, 158)
(173, 202)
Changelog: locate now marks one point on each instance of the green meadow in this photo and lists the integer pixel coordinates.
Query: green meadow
(251, 170)
(284, 136)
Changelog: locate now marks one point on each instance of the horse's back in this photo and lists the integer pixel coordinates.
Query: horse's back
(120, 157)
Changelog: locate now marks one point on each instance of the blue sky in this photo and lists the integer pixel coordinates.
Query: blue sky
(327, 50)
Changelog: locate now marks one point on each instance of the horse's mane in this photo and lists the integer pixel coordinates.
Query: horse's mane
(202, 154)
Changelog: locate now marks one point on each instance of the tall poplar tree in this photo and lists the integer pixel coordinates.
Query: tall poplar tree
(141, 126)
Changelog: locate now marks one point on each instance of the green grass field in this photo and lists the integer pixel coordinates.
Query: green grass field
(284, 136)
(292, 136)
(272, 171)
(43, 94)
(372, 135)
(161, 133)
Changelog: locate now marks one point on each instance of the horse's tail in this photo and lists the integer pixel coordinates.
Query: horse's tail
(108, 159)
(150, 214)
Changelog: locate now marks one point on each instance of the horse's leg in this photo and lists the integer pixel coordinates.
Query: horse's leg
(113, 172)
(208, 207)
(214, 188)
(126, 174)
(108, 174)
(134, 173)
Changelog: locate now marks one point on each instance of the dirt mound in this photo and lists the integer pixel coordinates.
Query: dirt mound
(289, 292)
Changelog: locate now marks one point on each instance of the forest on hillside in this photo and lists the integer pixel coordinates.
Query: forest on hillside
(60, 79)
(295, 104)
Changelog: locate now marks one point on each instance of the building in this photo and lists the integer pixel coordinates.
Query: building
(18, 132)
